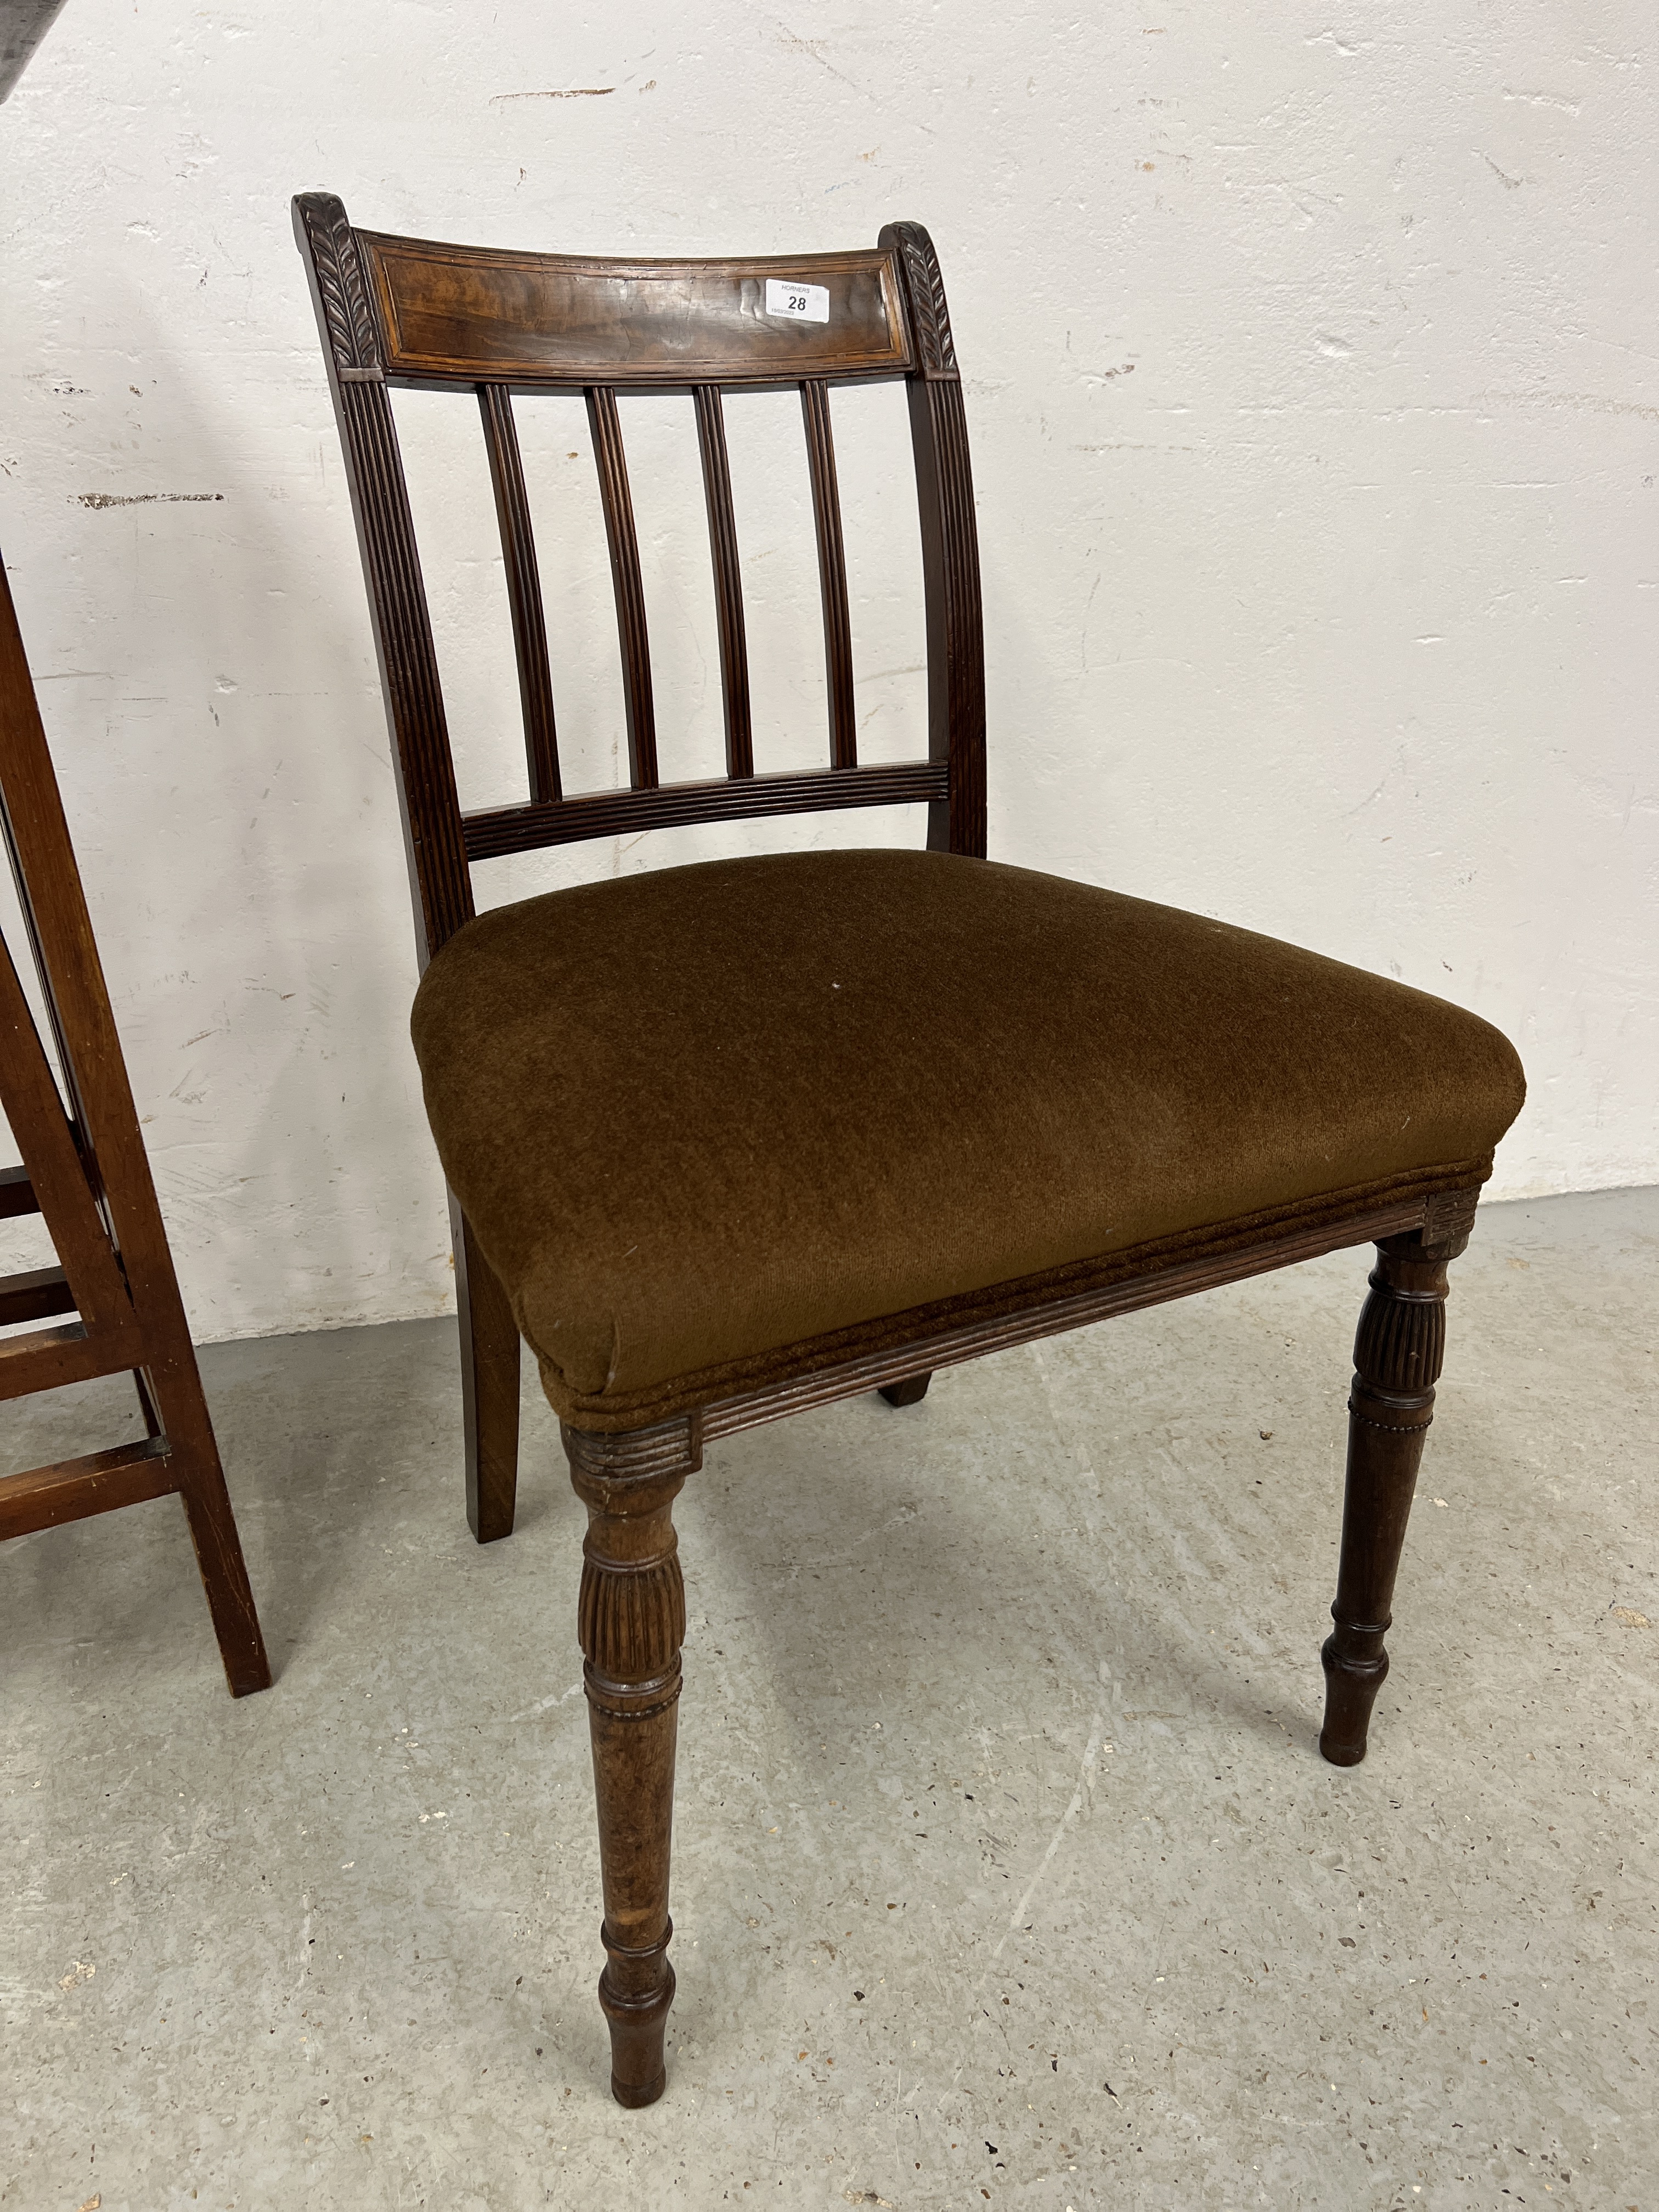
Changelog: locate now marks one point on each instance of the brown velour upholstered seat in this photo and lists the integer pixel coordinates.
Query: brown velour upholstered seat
(709, 1131)
(730, 1140)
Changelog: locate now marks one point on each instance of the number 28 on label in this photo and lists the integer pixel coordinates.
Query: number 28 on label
(799, 303)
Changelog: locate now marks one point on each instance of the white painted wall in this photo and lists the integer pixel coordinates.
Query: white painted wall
(1312, 372)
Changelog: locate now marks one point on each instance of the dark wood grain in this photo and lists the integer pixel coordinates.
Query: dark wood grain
(1232, 1261)
(631, 1624)
(493, 831)
(832, 575)
(950, 551)
(524, 589)
(75, 1489)
(489, 1386)
(1398, 1354)
(463, 313)
(618, 506)
(51, 1358)
(427, 795)
(334, 263)
(16, 1193)
(91, 1178)
(35, 1294)
(728, 582)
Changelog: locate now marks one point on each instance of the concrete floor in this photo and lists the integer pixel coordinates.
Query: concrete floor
(1006, 1868)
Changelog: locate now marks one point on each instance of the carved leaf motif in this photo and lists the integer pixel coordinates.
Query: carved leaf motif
(352, 334)
(932, 317)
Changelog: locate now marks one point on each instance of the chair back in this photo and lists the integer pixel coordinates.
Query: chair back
(404, 312)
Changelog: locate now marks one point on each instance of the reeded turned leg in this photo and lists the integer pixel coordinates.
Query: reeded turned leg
(1398, 1352)
(910, 1392)
(632, 1622)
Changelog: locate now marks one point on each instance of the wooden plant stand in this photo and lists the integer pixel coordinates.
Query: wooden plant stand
(85, 1171)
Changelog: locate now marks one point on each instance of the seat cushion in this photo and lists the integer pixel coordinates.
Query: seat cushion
(715, 1124)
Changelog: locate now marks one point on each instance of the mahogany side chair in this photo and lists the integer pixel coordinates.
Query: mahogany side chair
(729, 1140)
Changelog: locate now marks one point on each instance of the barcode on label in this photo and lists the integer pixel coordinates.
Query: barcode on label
(801, 303)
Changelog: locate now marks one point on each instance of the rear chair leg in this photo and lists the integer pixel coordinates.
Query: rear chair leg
(910, 1392)
(632, 1623)
(1398, 1354)
(489, 1387)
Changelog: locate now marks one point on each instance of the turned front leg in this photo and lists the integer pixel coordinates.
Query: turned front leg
(632, 1623)
(1398, 1354)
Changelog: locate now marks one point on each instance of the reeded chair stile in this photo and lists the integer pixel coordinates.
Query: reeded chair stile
(731, 1140)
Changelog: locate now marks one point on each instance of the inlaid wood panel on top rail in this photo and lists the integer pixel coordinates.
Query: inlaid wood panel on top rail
(457, 314)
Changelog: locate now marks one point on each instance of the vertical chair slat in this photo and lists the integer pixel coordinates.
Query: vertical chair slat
(728, 582)
(832, 573)
(523, 591)
(630, 590)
